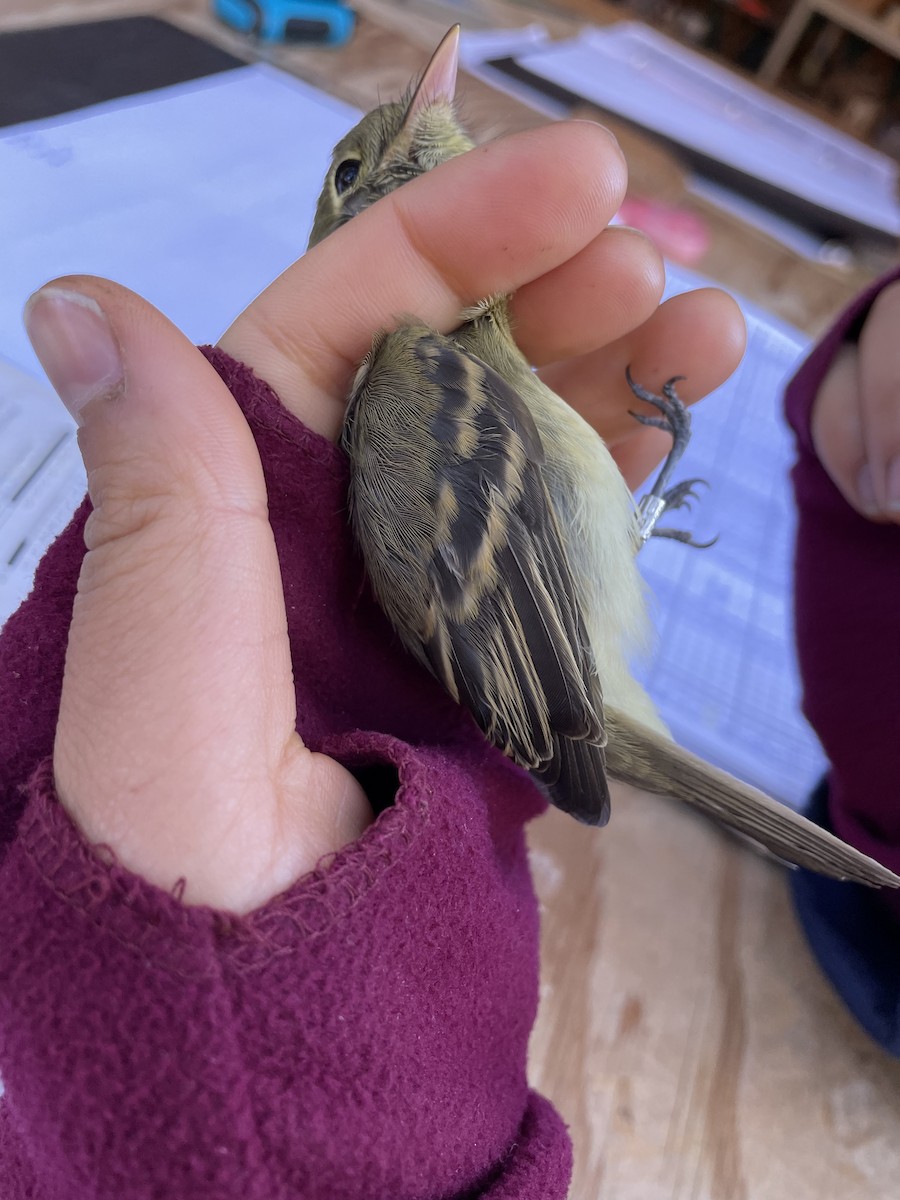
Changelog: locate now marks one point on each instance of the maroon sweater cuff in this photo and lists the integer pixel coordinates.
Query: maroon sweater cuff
(362, 1035)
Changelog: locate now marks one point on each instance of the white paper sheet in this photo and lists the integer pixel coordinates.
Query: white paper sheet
(196, 197)
(657, 83)
(41, 478)
(478, 48)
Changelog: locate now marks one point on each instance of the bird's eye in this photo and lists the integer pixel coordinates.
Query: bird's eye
(346, 175)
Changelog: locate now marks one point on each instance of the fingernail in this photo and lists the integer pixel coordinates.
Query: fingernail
(75, 344)
(893, 485)
(865, 490)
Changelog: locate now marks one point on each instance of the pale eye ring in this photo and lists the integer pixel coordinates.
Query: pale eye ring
(346, 175)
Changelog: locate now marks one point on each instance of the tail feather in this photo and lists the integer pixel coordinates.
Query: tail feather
(642, 757)
(576, 780)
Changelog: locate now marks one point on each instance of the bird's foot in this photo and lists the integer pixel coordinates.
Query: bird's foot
(680, 496)
(675, 420)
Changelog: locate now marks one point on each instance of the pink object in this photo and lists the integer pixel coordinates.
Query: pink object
(680, 235)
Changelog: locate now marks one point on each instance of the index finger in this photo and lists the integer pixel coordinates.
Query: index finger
(482, 224)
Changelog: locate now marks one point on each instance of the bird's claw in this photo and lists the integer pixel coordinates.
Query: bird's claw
(682, 535)
(681, 494)
(675, 420)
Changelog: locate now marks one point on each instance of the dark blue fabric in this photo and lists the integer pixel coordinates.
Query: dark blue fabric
(855, 939)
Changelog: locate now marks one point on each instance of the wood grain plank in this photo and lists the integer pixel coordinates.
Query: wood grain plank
(685, 1032)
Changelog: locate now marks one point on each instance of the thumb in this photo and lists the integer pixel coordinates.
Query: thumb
(176, 742)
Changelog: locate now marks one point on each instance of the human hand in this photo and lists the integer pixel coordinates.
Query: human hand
(176, 742)
(856, 415)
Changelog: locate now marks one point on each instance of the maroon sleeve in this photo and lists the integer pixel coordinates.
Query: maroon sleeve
(364, 1034)
(848, 634)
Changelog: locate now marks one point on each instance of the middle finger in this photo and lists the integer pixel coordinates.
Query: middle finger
(610, 288)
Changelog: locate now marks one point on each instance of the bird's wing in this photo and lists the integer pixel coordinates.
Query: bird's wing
(504, 633)
(513, 639)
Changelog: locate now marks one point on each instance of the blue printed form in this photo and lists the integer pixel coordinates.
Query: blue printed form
(723, 670)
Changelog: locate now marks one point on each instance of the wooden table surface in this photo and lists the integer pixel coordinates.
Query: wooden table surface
(685, 1033)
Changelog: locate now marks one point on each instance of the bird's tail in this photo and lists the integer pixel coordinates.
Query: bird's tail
(639, 756)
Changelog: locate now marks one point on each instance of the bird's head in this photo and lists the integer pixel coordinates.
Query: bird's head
(394, 143)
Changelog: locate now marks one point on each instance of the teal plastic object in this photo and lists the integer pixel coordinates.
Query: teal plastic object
(323, 22)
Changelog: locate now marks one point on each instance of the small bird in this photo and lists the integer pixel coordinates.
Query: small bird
(500, 537)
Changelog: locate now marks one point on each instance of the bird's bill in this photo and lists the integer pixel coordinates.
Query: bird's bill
(438, 82)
